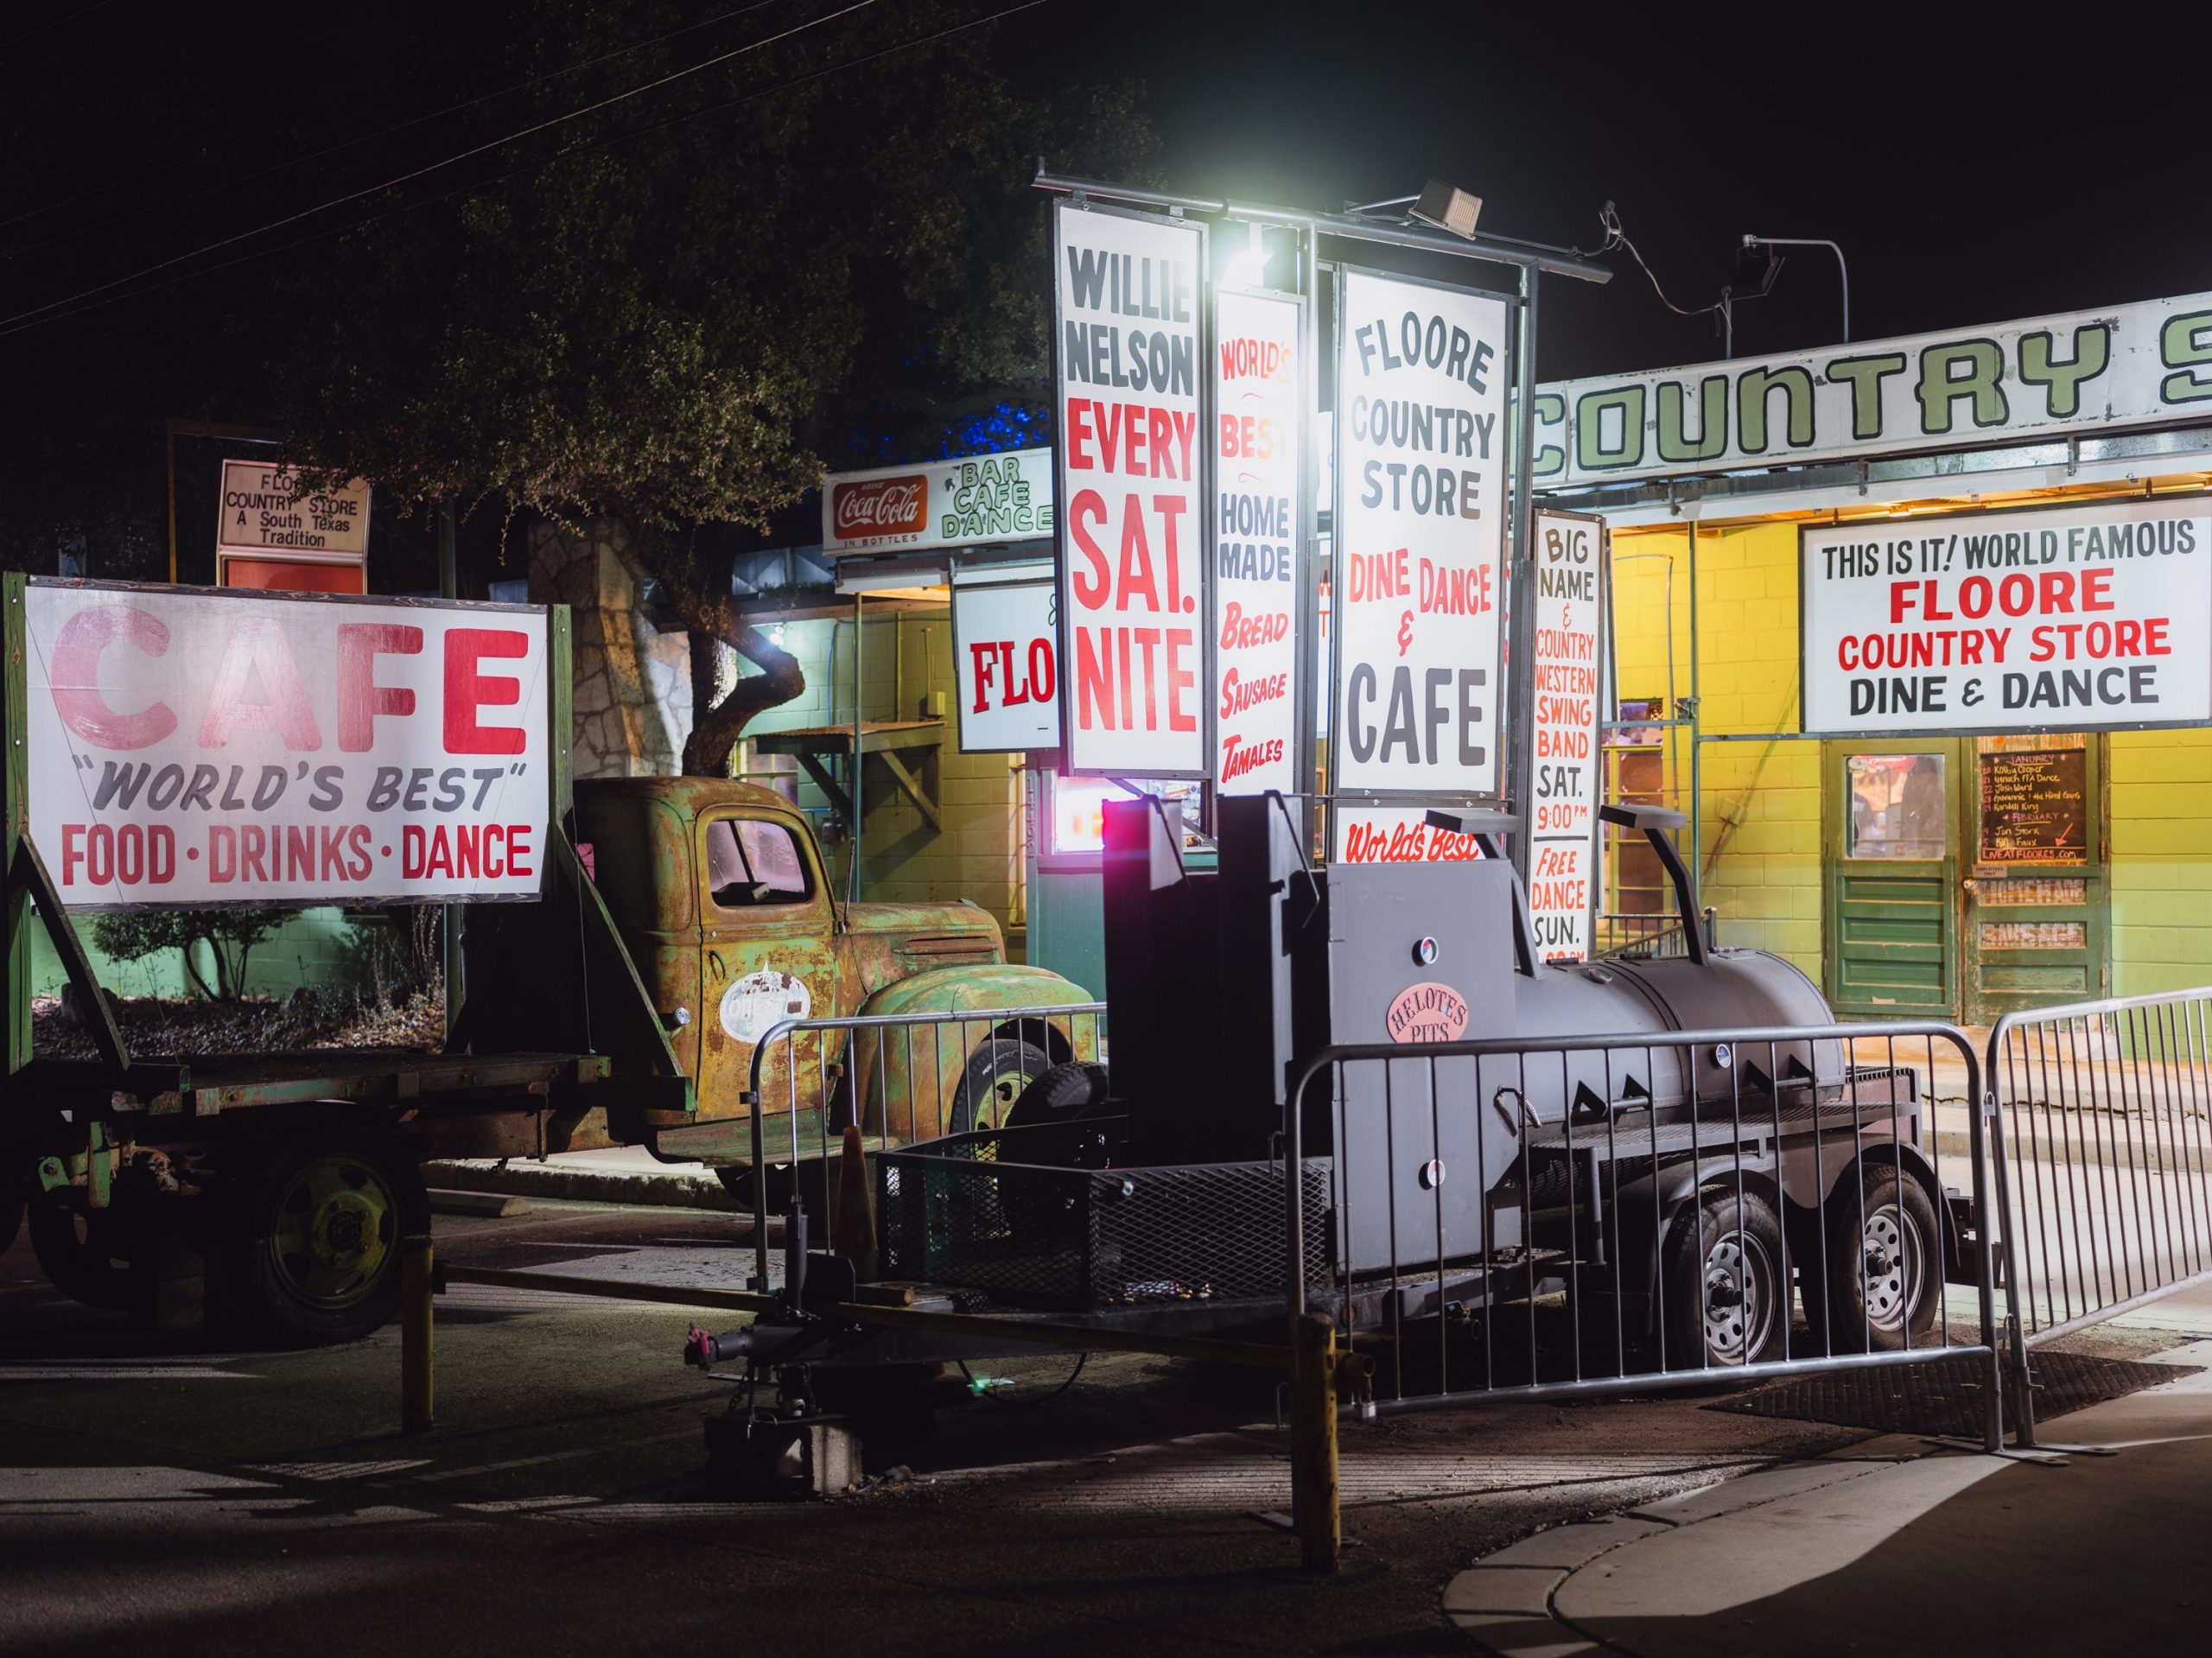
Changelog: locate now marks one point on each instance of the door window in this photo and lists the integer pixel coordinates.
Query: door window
(1895, 804)
(753, 862)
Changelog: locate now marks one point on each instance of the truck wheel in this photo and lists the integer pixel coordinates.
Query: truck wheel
(81, 1251)
(318, 1246)
(1884, 1264)
(998, 1072)
(1061, 1095)
(1726, 1301)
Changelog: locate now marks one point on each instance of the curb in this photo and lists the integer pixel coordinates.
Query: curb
(671, 1188)
(1505, 1600)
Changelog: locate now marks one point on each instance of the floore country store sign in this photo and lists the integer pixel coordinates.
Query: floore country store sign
(2065, 617)
(1421, 397)
(264, 509)
(989, 497)
(1128, 301)
(187, 746)
(2044, 377)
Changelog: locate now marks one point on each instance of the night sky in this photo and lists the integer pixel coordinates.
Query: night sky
(1972, 173)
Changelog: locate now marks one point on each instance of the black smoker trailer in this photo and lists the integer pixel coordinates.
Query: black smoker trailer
(1593, 1152)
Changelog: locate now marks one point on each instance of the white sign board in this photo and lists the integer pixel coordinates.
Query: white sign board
(1421, 375)
(264, 510)
(2065, 617)
(984, 498)
(1005, 666)
(190, 746)
(1561, 818)
(1397, 834)
(1258, 397)
(1129, 301)
(2040, 378)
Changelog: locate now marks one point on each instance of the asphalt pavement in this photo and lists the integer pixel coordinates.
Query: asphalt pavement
(165, 1492)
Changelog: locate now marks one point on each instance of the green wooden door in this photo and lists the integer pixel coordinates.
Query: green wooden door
(1892, 853)
(2038, 900)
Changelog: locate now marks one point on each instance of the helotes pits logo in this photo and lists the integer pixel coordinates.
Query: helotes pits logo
(1427, 1012)
(883, 507)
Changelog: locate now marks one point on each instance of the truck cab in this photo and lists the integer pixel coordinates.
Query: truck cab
(723, 902)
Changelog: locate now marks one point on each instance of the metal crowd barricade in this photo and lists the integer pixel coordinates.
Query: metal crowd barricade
(2102, 1168)
(1551, 1267)
(900, 1078)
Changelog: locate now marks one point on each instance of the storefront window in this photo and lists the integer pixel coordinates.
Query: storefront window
(1897, 806)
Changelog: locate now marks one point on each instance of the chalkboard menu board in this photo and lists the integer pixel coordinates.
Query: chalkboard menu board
(2035, 806)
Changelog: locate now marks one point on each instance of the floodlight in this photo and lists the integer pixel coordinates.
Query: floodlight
(1448, 208)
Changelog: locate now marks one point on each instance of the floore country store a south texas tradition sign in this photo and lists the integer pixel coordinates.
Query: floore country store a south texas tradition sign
(1129, 297)
(188, 746)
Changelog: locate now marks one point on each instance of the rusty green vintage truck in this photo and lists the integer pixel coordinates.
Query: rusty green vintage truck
(680, 921)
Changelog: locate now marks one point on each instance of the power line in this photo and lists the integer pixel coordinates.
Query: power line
(13, 40)
(348, 143)
(8, 324)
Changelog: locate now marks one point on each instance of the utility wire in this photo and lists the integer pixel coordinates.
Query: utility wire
(8, 324)
(348, 144)
(13, 40)
(1609, 218)
(14, 326)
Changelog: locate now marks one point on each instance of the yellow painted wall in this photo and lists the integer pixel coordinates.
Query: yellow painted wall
(2160, 846)
(1760, 856)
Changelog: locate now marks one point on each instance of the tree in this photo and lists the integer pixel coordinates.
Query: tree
(677, 309)
(229, 935)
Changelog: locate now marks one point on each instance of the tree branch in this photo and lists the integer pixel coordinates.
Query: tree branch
(716, 731)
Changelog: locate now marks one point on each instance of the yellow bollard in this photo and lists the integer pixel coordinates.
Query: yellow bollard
(418, 1338)
(1314, 1443)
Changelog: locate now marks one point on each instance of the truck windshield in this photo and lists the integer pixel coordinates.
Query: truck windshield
(751, 862)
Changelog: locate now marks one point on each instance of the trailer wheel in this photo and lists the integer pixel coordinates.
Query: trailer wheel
(319, 1250)
(11, 1209)
(1727, 1303)
(81, 1251)
(1884, 1265)
(998, 1072)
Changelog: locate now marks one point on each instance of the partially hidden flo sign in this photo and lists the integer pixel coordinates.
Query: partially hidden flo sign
(2059, 618)
(187, 747)
(1130, 307)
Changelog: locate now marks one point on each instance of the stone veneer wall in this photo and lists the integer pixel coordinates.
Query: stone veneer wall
(633, 682)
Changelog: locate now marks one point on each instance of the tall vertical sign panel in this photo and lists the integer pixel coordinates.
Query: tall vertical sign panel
(1420, 476)
(1562, 728)
(1258, 399)
(1128, 293)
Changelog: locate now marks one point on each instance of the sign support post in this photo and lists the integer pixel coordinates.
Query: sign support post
(1519, 727)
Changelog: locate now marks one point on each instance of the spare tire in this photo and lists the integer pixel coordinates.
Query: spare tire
(1068, 1091)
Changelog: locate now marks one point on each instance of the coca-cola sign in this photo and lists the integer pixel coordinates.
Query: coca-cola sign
(980, 501)
(877, 509)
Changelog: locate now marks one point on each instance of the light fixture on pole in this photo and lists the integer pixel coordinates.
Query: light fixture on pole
(1248, 268)
(1843, 270)
(1448, 208)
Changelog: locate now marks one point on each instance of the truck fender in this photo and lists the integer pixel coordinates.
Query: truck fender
(905, 1079)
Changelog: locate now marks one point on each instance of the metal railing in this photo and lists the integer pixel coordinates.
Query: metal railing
(1564, 1217)
(900, 1078)
(1621, 932)
(2104, 1169)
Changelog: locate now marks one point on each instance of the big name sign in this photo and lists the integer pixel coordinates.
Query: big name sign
(189, 747)
(1128, 306)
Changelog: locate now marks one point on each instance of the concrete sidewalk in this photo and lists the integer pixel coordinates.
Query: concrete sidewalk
(1892, 1546)
(626, 1174)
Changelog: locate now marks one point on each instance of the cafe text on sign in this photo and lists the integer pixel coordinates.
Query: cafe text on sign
(1129, 297)
(188, 746)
